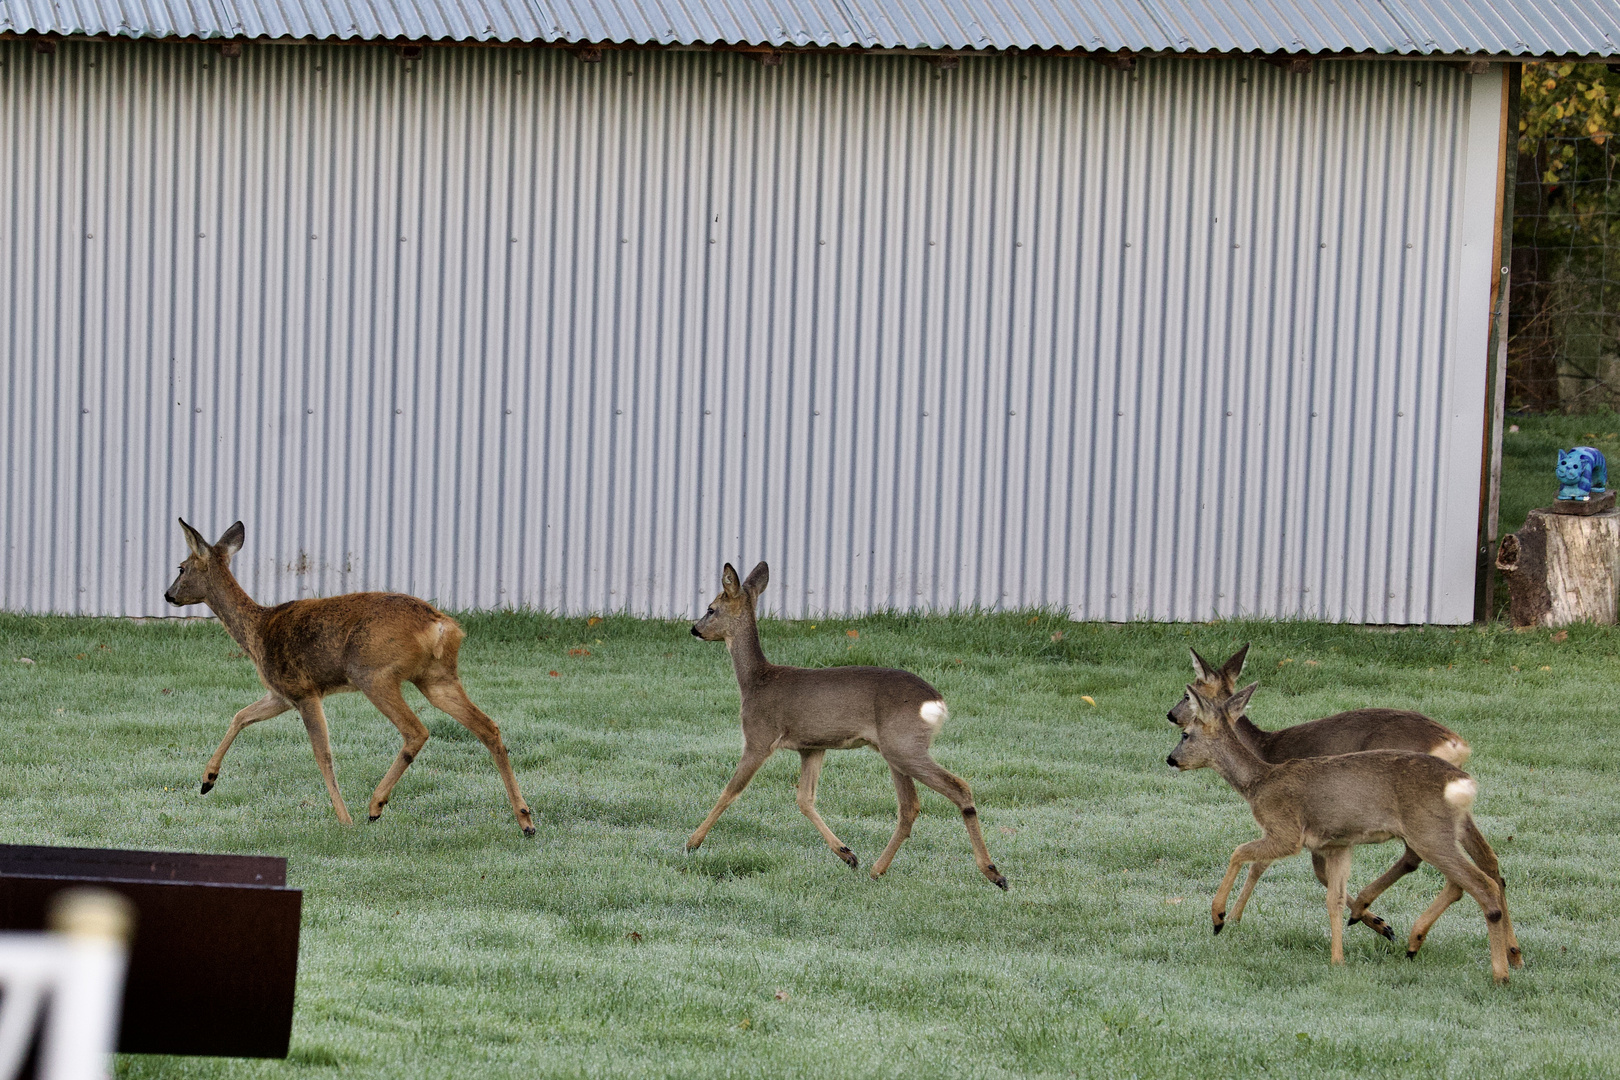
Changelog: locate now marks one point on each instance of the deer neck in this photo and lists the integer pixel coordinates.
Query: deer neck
(238, 613)
(746, 655)
(1252, 736)
(1240, 766)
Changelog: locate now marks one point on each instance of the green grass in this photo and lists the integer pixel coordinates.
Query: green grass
(440, 943)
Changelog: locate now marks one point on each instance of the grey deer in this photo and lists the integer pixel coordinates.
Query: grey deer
(1341, 733)
(1332, 804)
(306, 649)
(813, 710)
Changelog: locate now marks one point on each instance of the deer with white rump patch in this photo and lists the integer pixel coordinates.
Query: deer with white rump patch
(1341, 733)
(813, 710)
(306, 649)
(1332, 804)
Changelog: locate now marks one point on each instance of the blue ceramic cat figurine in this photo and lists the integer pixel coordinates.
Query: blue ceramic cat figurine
(1581, 471)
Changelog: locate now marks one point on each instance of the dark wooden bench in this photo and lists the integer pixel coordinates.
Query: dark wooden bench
(214, 959)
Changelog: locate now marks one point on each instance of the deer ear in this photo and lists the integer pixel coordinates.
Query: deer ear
(728, 582)
(232, 540)
(1203, 668)
(194, 540)
(758, 577)
(1239, 701)
(1234, 667)
(1201, 702)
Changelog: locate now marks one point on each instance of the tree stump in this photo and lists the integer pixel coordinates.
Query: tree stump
(1562, 568)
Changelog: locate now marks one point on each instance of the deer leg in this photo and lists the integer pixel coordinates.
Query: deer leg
(315, 723)
(263, 709)
(1474, 843)
(910, 807)
(752, 759)
(1267, 848)
(810, 762)
(1408, 862)
(391, 703)
(1256, 868)
(956, 789)
(1336, 863)
(1420, 929)
(1464, 875)
(449, 696)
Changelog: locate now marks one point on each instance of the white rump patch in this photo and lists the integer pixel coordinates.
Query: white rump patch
(933, 713)
(1461, 791)
(1453, 750)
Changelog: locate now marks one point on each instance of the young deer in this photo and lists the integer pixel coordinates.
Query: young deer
(1332, 804)
(1341, 733)
(306, 649)
(813, 710)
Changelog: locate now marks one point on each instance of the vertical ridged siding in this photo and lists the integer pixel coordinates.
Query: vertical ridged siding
(500, 328)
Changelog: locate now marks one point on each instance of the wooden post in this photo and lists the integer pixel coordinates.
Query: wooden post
(1563, 568)
(1490, 481)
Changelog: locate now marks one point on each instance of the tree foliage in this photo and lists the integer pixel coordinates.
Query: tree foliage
(1561, 105)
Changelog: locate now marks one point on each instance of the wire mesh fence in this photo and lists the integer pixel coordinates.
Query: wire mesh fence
(1564, 302)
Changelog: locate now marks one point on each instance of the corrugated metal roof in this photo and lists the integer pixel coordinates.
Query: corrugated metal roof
(1410, 27)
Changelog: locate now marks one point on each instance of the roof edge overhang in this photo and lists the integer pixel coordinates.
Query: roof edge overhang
(1109, 57)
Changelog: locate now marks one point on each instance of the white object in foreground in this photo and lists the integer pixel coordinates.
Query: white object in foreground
(77, 969)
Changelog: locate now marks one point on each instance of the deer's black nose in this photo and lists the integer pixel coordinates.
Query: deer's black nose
(695, 632)
(1170, 759)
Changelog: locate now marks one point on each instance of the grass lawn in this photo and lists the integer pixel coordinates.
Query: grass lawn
(439, 942)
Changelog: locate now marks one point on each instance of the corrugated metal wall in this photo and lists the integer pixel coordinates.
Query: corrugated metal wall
(500, 328)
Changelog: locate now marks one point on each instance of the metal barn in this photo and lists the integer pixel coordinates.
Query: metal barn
(935, 307)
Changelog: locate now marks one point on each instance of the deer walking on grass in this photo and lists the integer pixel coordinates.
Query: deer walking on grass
(813, 710)
(1342, 733)
(306, 649)
(1332, 804)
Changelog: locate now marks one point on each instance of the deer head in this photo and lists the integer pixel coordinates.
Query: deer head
(1216, 682)
(733, 609)
(1208, 726)
(205, 560)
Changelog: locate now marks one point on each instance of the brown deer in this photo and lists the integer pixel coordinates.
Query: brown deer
(813, 710)
(1341, 733)
(1332, 804)
(307, 649)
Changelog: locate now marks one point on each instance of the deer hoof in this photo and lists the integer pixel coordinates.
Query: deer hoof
(1515, 958)
(208, 785)
(1219, 926)
(528, 830)
(849, 858)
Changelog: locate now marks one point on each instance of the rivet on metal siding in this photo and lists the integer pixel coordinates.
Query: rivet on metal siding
(508, 412)
(1228, 412)
(1400, 414)
(1019, 244)
(1323, 244)
(624, 239)
(823, 243)
(925, 414)
(89, 236)
(85, 411)
(816, 413)
(402, 239)
(310, 411)
(202, 236)
(931, 244)
(618, 412)
(1012, 412)
(197, 409)
(313, 236)
(1127, 243)
(705, 412)
(1409, 246)
(1237, 245)
(398, 411)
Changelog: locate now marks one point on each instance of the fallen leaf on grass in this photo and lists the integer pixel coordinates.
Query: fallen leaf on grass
(24, 660)
(1087, 698)
(744, 1024)
(166, 691)
(1005, 831)
(1312, 663)
(1285, 660)
(579, 652)
(554, 675)
(1174, 900)
(1058, 636)
(1562, 635)
(80, 656)
(782, 995)
(593, 620)
(852, 633)
(634, 935)
(1546, 667)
